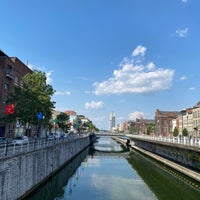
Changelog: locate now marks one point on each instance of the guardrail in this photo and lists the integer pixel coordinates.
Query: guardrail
(9, 149)
(177, 140)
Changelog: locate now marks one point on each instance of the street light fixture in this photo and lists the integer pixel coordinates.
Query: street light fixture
(182, 113)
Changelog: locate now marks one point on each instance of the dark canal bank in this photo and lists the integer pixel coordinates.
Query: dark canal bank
(114, 176)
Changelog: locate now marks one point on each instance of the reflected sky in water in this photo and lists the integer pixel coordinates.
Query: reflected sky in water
(107, 144)
(96, 175)
(106, 178)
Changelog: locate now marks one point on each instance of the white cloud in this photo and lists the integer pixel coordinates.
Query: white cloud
(182, 32)
(151, 66)
(62, 93)
(93, 105)
(192, 88)
(134, 115)
(49, 79)
(183, 78)
(136, 78)
(140, 50)
(48, 74)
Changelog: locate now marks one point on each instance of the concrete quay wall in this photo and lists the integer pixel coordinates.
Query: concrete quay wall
(188, 156)
(177, 157)
(23, 172)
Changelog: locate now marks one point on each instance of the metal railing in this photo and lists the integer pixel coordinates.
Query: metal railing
(188, 141)
(9, 149)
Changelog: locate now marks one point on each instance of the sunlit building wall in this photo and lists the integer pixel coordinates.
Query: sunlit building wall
(112, 121)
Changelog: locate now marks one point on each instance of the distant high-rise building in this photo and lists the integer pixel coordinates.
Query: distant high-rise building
(112, 121)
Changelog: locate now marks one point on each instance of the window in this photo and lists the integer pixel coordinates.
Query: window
(6, 86)
(21, 83)
(16, 80)
(9, 69)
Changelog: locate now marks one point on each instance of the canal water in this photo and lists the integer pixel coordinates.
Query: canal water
(109, 172)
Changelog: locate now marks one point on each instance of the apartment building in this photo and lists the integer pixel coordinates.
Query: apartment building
(73, 117)
(112, 121)
(196, 120)
(163, 122)
(185, 120)
(12, 70)
(144, 126)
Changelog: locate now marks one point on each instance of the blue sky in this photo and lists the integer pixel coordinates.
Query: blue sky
(130, 57)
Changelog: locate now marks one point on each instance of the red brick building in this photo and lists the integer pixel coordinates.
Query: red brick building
(163, 122)
(12, 70)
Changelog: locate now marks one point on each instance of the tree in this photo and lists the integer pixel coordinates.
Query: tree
(62, 121)
(175, 132)
(132, 129)
(91, 127)
(185, 132)
(150, 129)
(77, 124)
(36, 83)
(26, 104)
(33, 98)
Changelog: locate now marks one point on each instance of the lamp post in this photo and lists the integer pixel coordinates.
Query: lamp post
(187, 123)
(158, 128)
(182, 113)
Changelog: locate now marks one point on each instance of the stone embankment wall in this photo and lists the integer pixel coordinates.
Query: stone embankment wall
(187, 156)
(22, 173)
(182, 158)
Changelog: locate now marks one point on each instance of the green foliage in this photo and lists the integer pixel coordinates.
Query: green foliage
(36, 83)
(77, 123)
(132, 129)
(175, 132)
(62, 121)
(150, 128)
(91, 127)
(185, 132)
(34, 97)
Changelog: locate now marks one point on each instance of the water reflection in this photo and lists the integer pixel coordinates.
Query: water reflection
(113, 176)
(106, 178)
(54, 186)
(107, 144)
(162, 179)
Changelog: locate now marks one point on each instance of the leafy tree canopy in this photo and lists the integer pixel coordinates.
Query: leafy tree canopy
(62, 121)
(34, 97)
(175, 132)
(185, 132)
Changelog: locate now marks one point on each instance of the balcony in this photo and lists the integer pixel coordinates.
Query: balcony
(9, 75)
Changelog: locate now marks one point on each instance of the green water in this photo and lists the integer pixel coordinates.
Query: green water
(99, 175)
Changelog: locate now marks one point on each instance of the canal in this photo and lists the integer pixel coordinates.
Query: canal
(107, 171)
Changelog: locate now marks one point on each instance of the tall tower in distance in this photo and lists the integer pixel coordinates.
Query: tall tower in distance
(111, 121)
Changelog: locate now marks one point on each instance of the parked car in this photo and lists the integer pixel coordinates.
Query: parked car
(62, 136)
(51, 137)
(20, 140)
(2, 140)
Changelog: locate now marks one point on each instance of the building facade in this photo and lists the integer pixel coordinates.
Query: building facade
(186, 121)
(163, 122)
(196, 120)
(112, 121)
(12, 70)
(73, 118)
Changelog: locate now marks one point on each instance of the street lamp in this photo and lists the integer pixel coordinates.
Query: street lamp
(187, 122)
(182, 113)
(158, 128)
